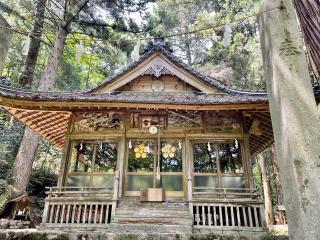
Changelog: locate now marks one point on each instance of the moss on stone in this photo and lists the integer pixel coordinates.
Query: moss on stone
(269, 237)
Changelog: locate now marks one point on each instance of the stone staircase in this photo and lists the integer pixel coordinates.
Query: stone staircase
(170, 217)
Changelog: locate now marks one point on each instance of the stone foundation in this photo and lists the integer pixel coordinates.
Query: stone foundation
(34, 234)
(14, 224)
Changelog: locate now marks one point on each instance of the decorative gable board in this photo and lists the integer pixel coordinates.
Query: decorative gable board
(157, 65)
(170, 83)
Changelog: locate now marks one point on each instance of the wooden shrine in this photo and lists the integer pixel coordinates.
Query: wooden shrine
(156, 124)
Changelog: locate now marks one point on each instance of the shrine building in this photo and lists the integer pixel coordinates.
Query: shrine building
(157, 144)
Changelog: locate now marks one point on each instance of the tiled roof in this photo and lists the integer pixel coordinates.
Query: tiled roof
(135, 97)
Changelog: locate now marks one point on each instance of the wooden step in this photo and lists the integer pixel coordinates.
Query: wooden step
(132, 211)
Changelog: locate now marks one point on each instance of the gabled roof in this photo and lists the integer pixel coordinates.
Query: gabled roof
(159, 47)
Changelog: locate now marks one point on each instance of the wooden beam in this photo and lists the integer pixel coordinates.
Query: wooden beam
(182, 116)
(64, 106)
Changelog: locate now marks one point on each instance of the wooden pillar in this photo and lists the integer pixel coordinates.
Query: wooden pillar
(121, 164)
(65, 155)
(5, 38)
(294, 117)
(64, 164)
(247, 162)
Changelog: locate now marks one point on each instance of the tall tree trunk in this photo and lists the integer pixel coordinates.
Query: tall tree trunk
(281, 216)
(21, 169)
(277, 175)
(50, 72)
(5, 38)
(24, 159)
(294, 116)
(266, 191)
(31, 60)
(30, 140)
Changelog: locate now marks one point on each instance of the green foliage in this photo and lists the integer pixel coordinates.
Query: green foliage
(10, 134)
(4, 197)
(205, 49)
(40, 178)
(269, 236)
(257, 177)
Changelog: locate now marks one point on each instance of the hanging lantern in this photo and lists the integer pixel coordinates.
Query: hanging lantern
(130, 145)
(180, 145)
(236, 144)
(81, 146)
(100, 146)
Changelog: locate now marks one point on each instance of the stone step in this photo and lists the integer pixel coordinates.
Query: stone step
(152, 220)
(151, 228)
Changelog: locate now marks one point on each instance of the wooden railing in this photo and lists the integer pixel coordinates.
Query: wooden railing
(228, 193)
(228, 215)
(65, 206)
(225, 207)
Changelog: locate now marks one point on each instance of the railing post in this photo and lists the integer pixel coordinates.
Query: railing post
(46, 206)
(115, 192)
(45, 211)
(189, 194)
(116, 185)
(263, 216)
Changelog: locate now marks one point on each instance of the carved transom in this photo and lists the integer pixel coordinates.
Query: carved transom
(157, 69)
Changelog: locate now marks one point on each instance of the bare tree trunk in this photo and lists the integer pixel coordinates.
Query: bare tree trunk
(266, 191)
(277, 175)
(22, 165)
(31, 60)
(280, 213)
(47, 83)
(24, 160)
(48, 78)
(5, 38)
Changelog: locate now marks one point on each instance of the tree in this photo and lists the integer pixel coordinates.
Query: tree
(276, 172)
(266, 190)
(5, 37)
(239, 64)
(33, 52)
(295, 118)
(71, 14)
